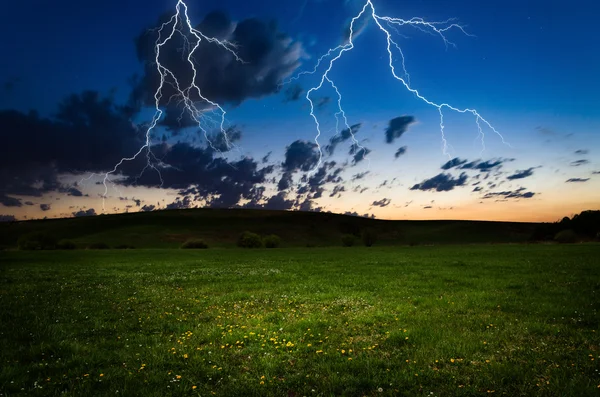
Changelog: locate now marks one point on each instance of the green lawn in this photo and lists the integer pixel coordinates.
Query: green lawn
(441, 320)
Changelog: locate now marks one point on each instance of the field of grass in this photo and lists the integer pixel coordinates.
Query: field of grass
(509, 320)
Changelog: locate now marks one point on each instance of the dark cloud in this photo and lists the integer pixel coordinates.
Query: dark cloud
(300, 156)
(7, 218)
(572, 180)
(427, 207)
(343, 136)
(222, 142)
(8, 201)
(148, 208)
(400, 151)
(360, 175)
(337, 190)
(269, 56)
(89, 133)
(80, 213)
(545, 131)
(293, 93)
(484, 166)
(577, 163)
(381, 203)
(595, 172)
(397, 127)
(28, 203)
(477, 189)
(279, 202)
(455, 162)
(74, 192)
(582, 152)
(322, 102)
(441, 183)
(521, 174)
(510, 194)
(359, 153)
(180, 203)
(45, 207)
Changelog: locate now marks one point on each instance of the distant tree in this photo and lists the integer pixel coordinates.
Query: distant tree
(194, 243)
(348, 240)
(272, 241)
(369, 237)
(98, 246)
(37, 241)
(566, 237)
(249, 240)
(66, 245)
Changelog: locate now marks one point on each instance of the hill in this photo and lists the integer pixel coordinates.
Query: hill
(221, 228)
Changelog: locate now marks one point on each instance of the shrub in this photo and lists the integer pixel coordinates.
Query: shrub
(125, 247)
(566, 237)
(37, 241)
(249, 240)
(369, 237)
(98, 246)
(65, 245)
(348, 240)
(194, 243)
(272, 241)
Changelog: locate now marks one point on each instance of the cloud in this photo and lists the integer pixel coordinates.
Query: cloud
(7, 218)
(269, 55)
(455, 162)
(572, 180)
(582, 152)
(322, 102)
(81, 213)
(359, 153)
(595, 172)
(577, 163)
(343, 136)
(148, 208)
(293, 93)
(397, 127)
(381, 203)
(180, 204)
(279, 202)
(300, 156)
(441, 183)
(477, 189)
(360, 175)
(521, 174)
(484, 166)
(400, 151)
(511, 194)
(8, 201)
(45, 207)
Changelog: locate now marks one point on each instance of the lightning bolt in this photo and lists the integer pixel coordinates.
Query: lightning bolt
(178, 22)
(385, 25)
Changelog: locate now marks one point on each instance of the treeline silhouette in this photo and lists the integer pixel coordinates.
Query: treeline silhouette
(583, 226)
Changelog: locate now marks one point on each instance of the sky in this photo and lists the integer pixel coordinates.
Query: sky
(420, 109)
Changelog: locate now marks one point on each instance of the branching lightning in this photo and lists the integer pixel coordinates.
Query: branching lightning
(179, 21)
(385, 24)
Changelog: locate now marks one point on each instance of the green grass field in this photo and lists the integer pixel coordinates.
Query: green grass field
(472, 320)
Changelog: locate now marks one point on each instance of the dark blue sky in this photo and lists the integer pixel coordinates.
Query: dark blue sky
(531, 70)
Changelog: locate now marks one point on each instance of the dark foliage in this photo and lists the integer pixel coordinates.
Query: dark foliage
(194, 243)
(37, 241)
(98, 246)
(566, 237)
(65, 245)
(586, 225)
(272, 241)
(348, 240)
(369, 237)
(125, 247)
(250, 240)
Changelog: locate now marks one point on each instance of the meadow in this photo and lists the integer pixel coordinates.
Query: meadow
(461, 320)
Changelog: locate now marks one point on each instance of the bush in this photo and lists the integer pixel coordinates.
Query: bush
(98, 246)
(65, 245)
(566, 237)
(37, 241)
(272, 241)
(348, 240)
(194, 243)
(125, 247)
(250, 240)
(369, 237)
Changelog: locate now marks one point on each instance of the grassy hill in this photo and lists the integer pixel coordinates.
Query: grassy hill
(221, 228)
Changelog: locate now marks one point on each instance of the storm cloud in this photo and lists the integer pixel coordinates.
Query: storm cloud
(441, 183)
(397, 127)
